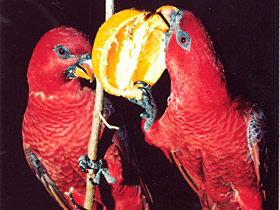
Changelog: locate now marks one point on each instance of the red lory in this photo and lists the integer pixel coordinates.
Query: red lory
(217, 142)
(57, 126)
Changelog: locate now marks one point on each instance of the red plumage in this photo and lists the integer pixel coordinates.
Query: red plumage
(57, 125)
(217, 143)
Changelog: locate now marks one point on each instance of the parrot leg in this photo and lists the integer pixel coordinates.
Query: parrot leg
(70, 195)
(85, 163)
(148, 103)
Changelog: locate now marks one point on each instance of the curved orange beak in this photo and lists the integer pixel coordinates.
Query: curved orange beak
(84, 70)
(81, 69)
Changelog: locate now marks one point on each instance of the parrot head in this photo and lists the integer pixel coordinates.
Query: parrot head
(60, 56)
(191, 60)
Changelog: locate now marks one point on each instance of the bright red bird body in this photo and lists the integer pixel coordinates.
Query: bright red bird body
(210, 136)
(57, 126)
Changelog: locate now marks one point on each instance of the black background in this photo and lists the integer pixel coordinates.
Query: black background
(245, 34)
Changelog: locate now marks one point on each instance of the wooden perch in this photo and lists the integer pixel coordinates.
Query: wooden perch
(93, 143)
(96, 124)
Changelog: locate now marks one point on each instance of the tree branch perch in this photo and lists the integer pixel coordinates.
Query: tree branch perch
(96, 125)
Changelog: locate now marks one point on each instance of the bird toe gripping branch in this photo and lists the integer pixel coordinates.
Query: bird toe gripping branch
(101, 169)
(147, 102)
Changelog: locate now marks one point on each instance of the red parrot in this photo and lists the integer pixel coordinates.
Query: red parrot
(57, 126)
(217, 142)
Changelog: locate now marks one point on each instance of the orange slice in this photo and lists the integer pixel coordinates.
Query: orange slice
(129, 47)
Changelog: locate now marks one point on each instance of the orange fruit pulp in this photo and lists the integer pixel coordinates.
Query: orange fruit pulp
(129, 47)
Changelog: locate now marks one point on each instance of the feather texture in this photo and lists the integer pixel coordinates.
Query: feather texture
(212, 139)
(57, 125)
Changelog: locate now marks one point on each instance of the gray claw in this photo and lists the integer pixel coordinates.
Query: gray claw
(147, 102)
(85, 163)
(106, 174)
(145, 85)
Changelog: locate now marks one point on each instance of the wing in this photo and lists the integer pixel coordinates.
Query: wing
(194, 183)
(128, 152)
(124, 145)
(256, 122)
(42, 174)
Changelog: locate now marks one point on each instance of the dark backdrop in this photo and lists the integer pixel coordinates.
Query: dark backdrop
(245, 34)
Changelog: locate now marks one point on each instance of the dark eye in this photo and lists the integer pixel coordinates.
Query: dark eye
(61, 51)
(183, 40)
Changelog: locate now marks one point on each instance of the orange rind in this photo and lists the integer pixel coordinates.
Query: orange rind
(129, 47)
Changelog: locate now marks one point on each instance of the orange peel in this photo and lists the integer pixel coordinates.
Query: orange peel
(129, 47)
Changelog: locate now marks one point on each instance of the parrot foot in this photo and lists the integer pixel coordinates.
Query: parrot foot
(100, 166)
(148, 103)
(70, 196)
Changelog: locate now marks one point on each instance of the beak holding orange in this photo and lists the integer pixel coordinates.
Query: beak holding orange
(129, 47)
